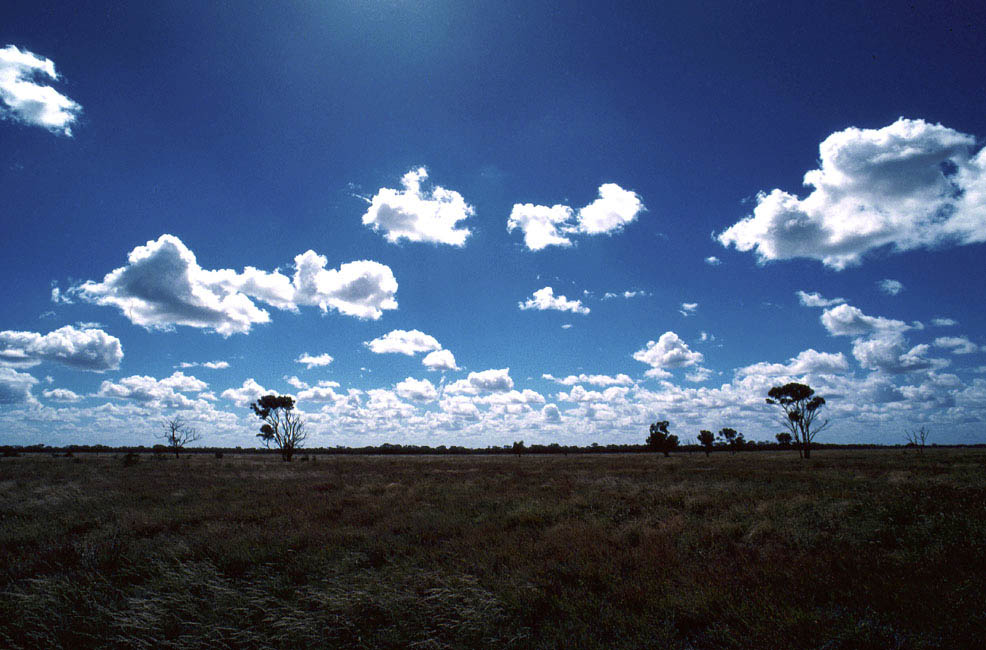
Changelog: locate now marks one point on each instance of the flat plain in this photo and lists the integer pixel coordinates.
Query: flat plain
(851, 549)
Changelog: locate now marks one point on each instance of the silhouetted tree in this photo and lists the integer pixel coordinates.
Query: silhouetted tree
(178, 433)
(800, 406)
(659, 438)
(707, 440)
(518, 447)
(282, 426)
(783, 439)
(731, 438)
(917, 438)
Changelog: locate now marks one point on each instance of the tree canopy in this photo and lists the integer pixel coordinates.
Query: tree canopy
(800, 406)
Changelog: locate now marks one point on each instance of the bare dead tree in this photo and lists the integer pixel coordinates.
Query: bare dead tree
(178, 433)
(917, 438)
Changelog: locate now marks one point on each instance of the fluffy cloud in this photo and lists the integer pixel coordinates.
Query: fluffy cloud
(817, 300)
(712, 260)
(492, 380)
(323, 392)
(958, 344)
(61, 395)
(546, 299)
(314, 361)
(890, 287)
(908, 185)
(439, 360)
(669, 351)
(163, 286)
(250, 391)
(364, 288)
(403, 342)
(594, 380)
(416, 390)
(808, 362)
(545, 226)
(542, 225)
(26, 100)
(85, 349)
(846, 320)
(944, 322)
(417, 215)
(163, 393)
(889, 352)
(15, 387)
(698, 375)
(614, 209)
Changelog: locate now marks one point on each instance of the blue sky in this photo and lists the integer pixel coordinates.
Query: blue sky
(473, 223)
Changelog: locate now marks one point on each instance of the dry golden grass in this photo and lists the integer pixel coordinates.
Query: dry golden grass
(865, 549)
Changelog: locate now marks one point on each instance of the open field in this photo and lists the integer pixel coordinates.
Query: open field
(861, 549)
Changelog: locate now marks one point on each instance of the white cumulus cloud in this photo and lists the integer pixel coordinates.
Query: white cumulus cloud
(15, 387)
(545, 298)
(817, 300)
(614, 209)
(594, 380)
(439, 360)
(555, 225)
(807, 362)
(669, 351)
(403, 342)
(163, 285)
(542, 225)
(846, 320)
(416, 390)
(61, 395)
(957, 344)
(85, 349)
(157, 393)
(250, 391)
(316, 361)
(417, 215)
(909, 185)
(25, 99)
(492, 380)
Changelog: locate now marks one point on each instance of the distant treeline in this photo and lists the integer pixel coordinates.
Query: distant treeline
(442, 450)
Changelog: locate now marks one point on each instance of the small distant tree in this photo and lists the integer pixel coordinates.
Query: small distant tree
(917, 438)
(731, 438)
(660, 439)
(801, 407)
(784, 439)
(518, 447)
(177, 433)
(707, 440)
(282, 427)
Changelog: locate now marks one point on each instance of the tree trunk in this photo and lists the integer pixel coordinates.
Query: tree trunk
(807, 453)
(286, 454)
(667, 454)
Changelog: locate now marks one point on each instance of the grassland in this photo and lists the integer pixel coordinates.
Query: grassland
(865, 549)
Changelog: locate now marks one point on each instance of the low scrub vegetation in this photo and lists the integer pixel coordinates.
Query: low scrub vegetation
(851, 549)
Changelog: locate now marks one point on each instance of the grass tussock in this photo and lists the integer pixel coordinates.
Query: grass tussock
(869, 549)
